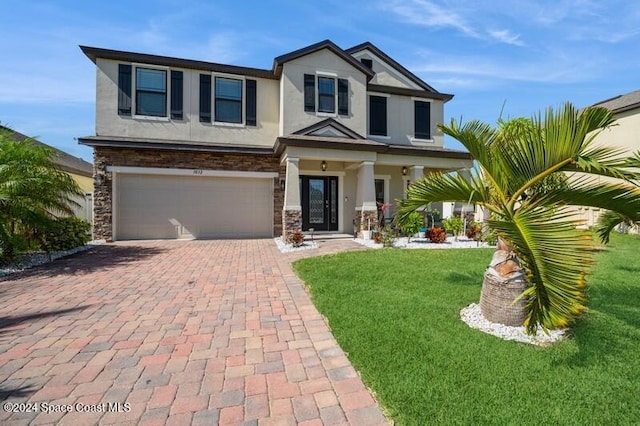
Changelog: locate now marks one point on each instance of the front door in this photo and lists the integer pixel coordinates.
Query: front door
(319, 203)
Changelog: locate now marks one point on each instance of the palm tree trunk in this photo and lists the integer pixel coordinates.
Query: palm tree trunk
(504, 281)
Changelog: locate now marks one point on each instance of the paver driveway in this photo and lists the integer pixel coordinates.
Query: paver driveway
(200, 332)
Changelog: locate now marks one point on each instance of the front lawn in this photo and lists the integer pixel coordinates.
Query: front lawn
(397, 315)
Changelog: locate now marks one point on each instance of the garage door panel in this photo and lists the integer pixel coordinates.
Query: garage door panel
(151, 206)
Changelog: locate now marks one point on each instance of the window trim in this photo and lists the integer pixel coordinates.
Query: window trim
(422, 141)
(333, 113)
(134, 89)
(369, 134)
(243, 114)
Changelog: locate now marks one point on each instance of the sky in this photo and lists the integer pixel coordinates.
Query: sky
(500, 57)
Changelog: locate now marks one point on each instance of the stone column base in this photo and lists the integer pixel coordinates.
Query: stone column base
(291, 222)
(362, 220)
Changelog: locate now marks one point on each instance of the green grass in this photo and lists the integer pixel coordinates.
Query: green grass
(396, 314)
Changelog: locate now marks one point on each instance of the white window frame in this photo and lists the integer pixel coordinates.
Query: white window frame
(334, 76)
(242, 107)
(134, 90)
(381, 95)
(420, 141)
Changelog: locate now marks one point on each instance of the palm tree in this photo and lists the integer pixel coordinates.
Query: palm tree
(520, 180)
(33, 190)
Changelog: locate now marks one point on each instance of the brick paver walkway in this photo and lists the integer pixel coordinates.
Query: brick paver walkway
(182, 332)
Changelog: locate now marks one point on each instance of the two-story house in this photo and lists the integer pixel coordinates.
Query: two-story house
(185, 148)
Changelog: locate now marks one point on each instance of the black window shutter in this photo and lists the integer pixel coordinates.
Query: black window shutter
(378, 115)
(343, 96)
(124, 89)
(251, 106)
(176, 95)
(205, 98)
(422, 120)
(309, 92)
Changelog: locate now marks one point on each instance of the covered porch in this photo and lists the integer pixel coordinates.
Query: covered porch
(336, 186)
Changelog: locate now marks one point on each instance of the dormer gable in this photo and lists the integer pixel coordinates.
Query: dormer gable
(328, 45)
(387, 71)
(329, 128)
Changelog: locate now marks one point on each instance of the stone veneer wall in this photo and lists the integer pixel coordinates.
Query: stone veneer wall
(362, 218)
(103, 157)
(291, 222)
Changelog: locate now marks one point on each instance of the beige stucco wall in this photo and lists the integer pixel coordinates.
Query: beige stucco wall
(109, 123)
(84, 182)
(385, 74)
(624, 134)
(401, 121)
(294, 117)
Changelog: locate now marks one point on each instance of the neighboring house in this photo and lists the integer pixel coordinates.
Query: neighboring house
(624, 134)
(80, 170)
(186, 148)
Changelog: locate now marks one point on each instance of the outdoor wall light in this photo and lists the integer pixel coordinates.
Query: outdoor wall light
(405, 171)
(282, 184)
(323, 166)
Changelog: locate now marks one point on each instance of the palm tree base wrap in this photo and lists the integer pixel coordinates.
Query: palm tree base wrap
(503, 282)
(497, 300)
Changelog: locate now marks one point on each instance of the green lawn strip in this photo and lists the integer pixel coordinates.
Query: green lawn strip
(396, 314)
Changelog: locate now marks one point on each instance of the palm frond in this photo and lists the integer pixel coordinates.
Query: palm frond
(437, 187)
(608, 221)
(555, 257)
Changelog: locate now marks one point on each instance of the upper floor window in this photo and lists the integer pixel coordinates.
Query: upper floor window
(422, 120)
(228, 100)
(234, 100)
(367, 63)
(325, 95)
(156, 90)
(151, 92)
(377, 115)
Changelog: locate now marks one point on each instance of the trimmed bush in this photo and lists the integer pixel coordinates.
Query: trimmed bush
(65, 233)
(295, 238)
(437, 235)
(474, 231)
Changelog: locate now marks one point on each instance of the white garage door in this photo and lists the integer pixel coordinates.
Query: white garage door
(153, 206)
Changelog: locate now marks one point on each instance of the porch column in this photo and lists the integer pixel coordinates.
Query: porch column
(416, 173)
(366, 209)
(447, 209)
(292, 210)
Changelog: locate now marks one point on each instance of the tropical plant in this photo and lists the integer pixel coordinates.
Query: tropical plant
(34, 191)
(515, 161)
(412, 224)
(474, 231)
(453, 225)
(437, 235)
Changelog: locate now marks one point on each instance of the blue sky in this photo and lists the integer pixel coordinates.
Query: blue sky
(529, 54)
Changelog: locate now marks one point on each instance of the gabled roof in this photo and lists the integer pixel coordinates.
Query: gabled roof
(325, 44)
(67, 162)
(402, 70)
(340, 130)
(621, 103)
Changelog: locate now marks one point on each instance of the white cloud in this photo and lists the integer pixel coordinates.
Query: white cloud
(505, 36)
(429, 14)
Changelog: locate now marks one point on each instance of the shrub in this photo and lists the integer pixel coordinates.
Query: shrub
(386, 236)
(295, 238)
(474, 231)
(437, 235)
(453, 225)
(65, 233)
(412, 224)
